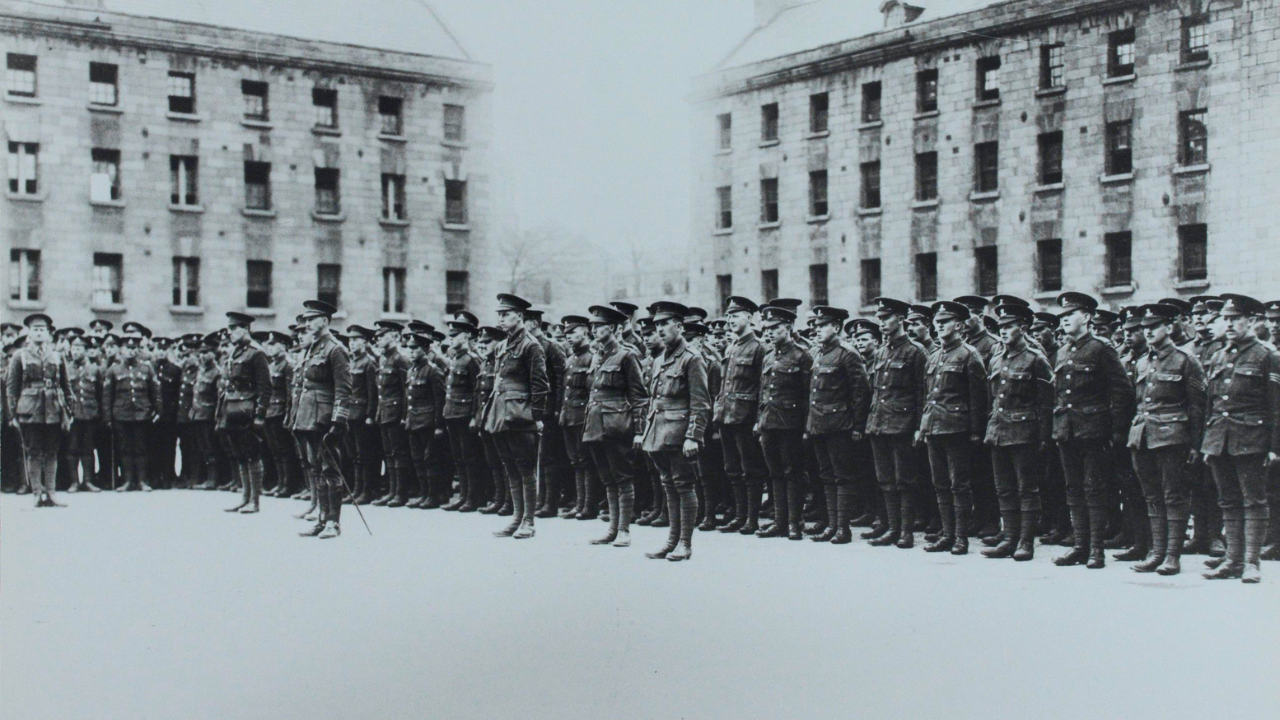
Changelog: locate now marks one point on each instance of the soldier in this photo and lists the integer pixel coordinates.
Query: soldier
(515, 409)
(37, 393)
(613, 418)
(1271, 550)
(12, 475)
(459, 408)
(710, 464)
(165, 430)
(951, 423)
(783, 407)
(550, 440)
(679, 410)
(1092, 406)
(1242, 437)
(393, 383)
(361, 439)
(242, 414)
(279, 442)
(897, 399)
(131, 402)
(920, 326)
(573, 410)
(85, 380)
(423, 417)
(1210, 329)
(204, 405)
(487, 343)
(739, 408)
(320, 420)
(650, 494)
(1132, 529)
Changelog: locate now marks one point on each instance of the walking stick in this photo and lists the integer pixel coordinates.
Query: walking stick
(26, 464)
(333, 458)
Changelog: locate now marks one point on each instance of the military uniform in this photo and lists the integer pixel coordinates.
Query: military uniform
(204, 405)
(500, 504)
(784, 405)
(279, 441)
(37, 393)
(739, 401)
(85, 379)
(243, 409)
(551, 439)
(897, 400)
(393, 382)
(131, 400)
(165, 429)
(187, 439)
(423, 421)
(322, 410)
(1204, 492)
(459, 408)
(573, 415)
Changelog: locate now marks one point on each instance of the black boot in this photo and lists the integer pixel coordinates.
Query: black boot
(1255, 533)
(688, 508)
(964, 521)
(611, 492)
(255, 487)
(1232, 565)
(739, 510)
(893, 511)
(1079, 553)
(844, 510)
(673, 535)
(834, 520)
(781, 508)
(1027, 536)
(1009, 538)
(1177, 535)
(321, 496)
(1159, 545)
(241, 473)
(752, 525)
(947, 540)
(795, 511)
(1097, 538)
(907, 539)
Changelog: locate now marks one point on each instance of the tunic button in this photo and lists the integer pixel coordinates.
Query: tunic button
(1225, 414)
(1224, 397)
(1068, 406)
(1068, 392)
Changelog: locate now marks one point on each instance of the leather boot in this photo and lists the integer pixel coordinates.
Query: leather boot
(241, 473)
(964, 521)
(844, 509)
(611, 493)
(752, 525)
(688, 508)
(834, 520)
(673, 535)
(893, 511)
(1027, 536)
(907, 539)
(1141, 547)
(255, 487)
(946, 540)
(795, 511)
(1177, 534)
(781, 510)
(1079, 552)
(1255, 533)
(591, 506)
(1009, 538)
(626, 509)
(1271, 546)
(1232, 565)
(1097, 538)
(1159, 545)
(393, 480)
(322, 501)
(739, 510)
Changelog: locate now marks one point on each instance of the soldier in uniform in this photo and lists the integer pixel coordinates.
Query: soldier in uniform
(1242, 437)
(650, 494)
(393, 383)
(783, 407)
(37, 392)
(242, 414)
(897, 399)
(487, 343)
(204, 406)
(920, 326)
(85, 380)
(611, 424)
(985, 505)
(951, 423)
(1130, 522)
(1092, 406)
(679, 410)
(1271, 550)
(360, 445)
(710, 464)
(12, 475)
(165, 430)
(423, 418)
(739, 401)
(320, 419)
(573, 410)
(553, 463)
(279, 442)
(131, 402)
(1209, 338)
(459, 408)
(515, 409)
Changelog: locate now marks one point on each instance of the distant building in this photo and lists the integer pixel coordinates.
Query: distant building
(168, 169)
(1128, 149)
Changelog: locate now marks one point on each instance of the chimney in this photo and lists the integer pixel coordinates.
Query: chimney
(767, 10)
(897, 14)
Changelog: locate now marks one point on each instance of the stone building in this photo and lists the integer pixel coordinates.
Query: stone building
(169, 161)
(1126, 148)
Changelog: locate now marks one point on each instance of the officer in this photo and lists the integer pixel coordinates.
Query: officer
(515, 409)
(951, 423)
(679, 410)
(573, 410)
(423, 418)
(839, 401)
(242, 414)
(784, 404)
(393, 382)
(616, 400)
(650, 495)
(320, 420)
(279, 442)
(459, 407)
(85, 379)
(37, 393)
(739, 407)
(897, 400)
(131, 402)
(1092, 405)
(1242, 437)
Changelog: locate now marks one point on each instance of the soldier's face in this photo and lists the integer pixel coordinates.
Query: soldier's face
(38, 333)
(671, 330)
(1156, 334)
(77, 352)
(509, 320)
(890, 324)
(1218, 327)
(864, 342)
(1273, 326)
(386, 339)
(740, 321)
(9, 334)
(274, 349)
(128, 353)
(947, 328)
(1133, 338)
(826, 331)
(238, 333)
(1074, 322)
(1010, 333)
(1238, 327)
(358, 344)
(600, 332)
(579, 335)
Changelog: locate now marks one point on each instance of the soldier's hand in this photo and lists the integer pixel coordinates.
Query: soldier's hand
(13, 422)
(690, 448)
(917, 439)
(155, 418)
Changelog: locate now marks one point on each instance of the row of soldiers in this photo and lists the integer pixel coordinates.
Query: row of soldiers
(1072, 416)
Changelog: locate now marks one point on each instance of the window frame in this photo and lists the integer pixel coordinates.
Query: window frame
(1122, 63)
(24, 169)
(770, 115)
(109, 157)
(182, 104)
(986, 167)
(927, 90)
(14, 74)
(265, 270)
(1049, 156)
(394, 205)
(1119, 145)
(251, 167)
(96, 85)
(114, 280)
(329, 274)
(819, 199)
(1053, 76)
(988, 68)
(1118, 273)
(184, 180)
(1188, 154)
(926, 176)
(328, 191)
(986, 270)
(394, 282)
(24, 275)
(248, 89)
(724, 207)
(455, 129)
(456, 211)
(456, 300)
(1193, 26)
(1197, 233)
(396, 126)
(324, 104)
(870, 290)
(819, 279)
(770, 211)
(926, 276)
(1047, 249)
(870, 194)
(819, 113)
(872, 102)
(724, 130)
(186, 282)
(769, 284)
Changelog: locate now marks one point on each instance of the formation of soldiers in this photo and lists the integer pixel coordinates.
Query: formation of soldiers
(973, 418)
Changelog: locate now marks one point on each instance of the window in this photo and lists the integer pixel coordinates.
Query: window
(108, 279)
(1193, 252)
(871, 184)
(24, 275)
(103, 84)
(818, 284)
(724, 289)
(927, 176)
(1119, 147)
(257, 185)
(769, 200)
(455, 202)
(328, 191)
(1119, 258)
(818, 193)
(183, 176)
(104, 182)
(186, 282)
(182, 93)
(768, 285)
(1193, 134)
(870, 280)
(769, 122)
(927, 90)
(457, 287)
(1052, 71)
(987, 268)
(21, 75)
(927, 277)
(1050, 157)
(393, 290)
(1049, 265)
(987, 166)
(871, 102)
(724, 124)
(329, 283)
(818, 112)
(390, 110)
(455, 126)
(23, 178)
(724, 203)
(989, 78)
(393, 197)
(258, 284)
(325, 102)
(255, 100)
(1195, 39)
(1120, 48)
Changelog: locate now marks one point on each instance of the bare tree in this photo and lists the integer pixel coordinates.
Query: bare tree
(524, 256)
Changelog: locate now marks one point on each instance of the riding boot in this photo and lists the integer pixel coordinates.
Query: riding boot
(673, 535)
(688, 508)
(1177, 537)
(241, 475)
(626, 510)
(893, 524)
(1232, 565)
(844, 509)
(611, 492)
(1009, 538)
(781, 509)
(1097, 539)
(255, 487)
(321, 498)
(755, 493)
(1159, 545)
(947, 540)
(1255, 533)
(1079, 552)
(795, 510)
(834, 521)
(739, 510)
(908, 522)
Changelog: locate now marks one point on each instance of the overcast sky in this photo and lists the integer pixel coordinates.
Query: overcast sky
(592, 127)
